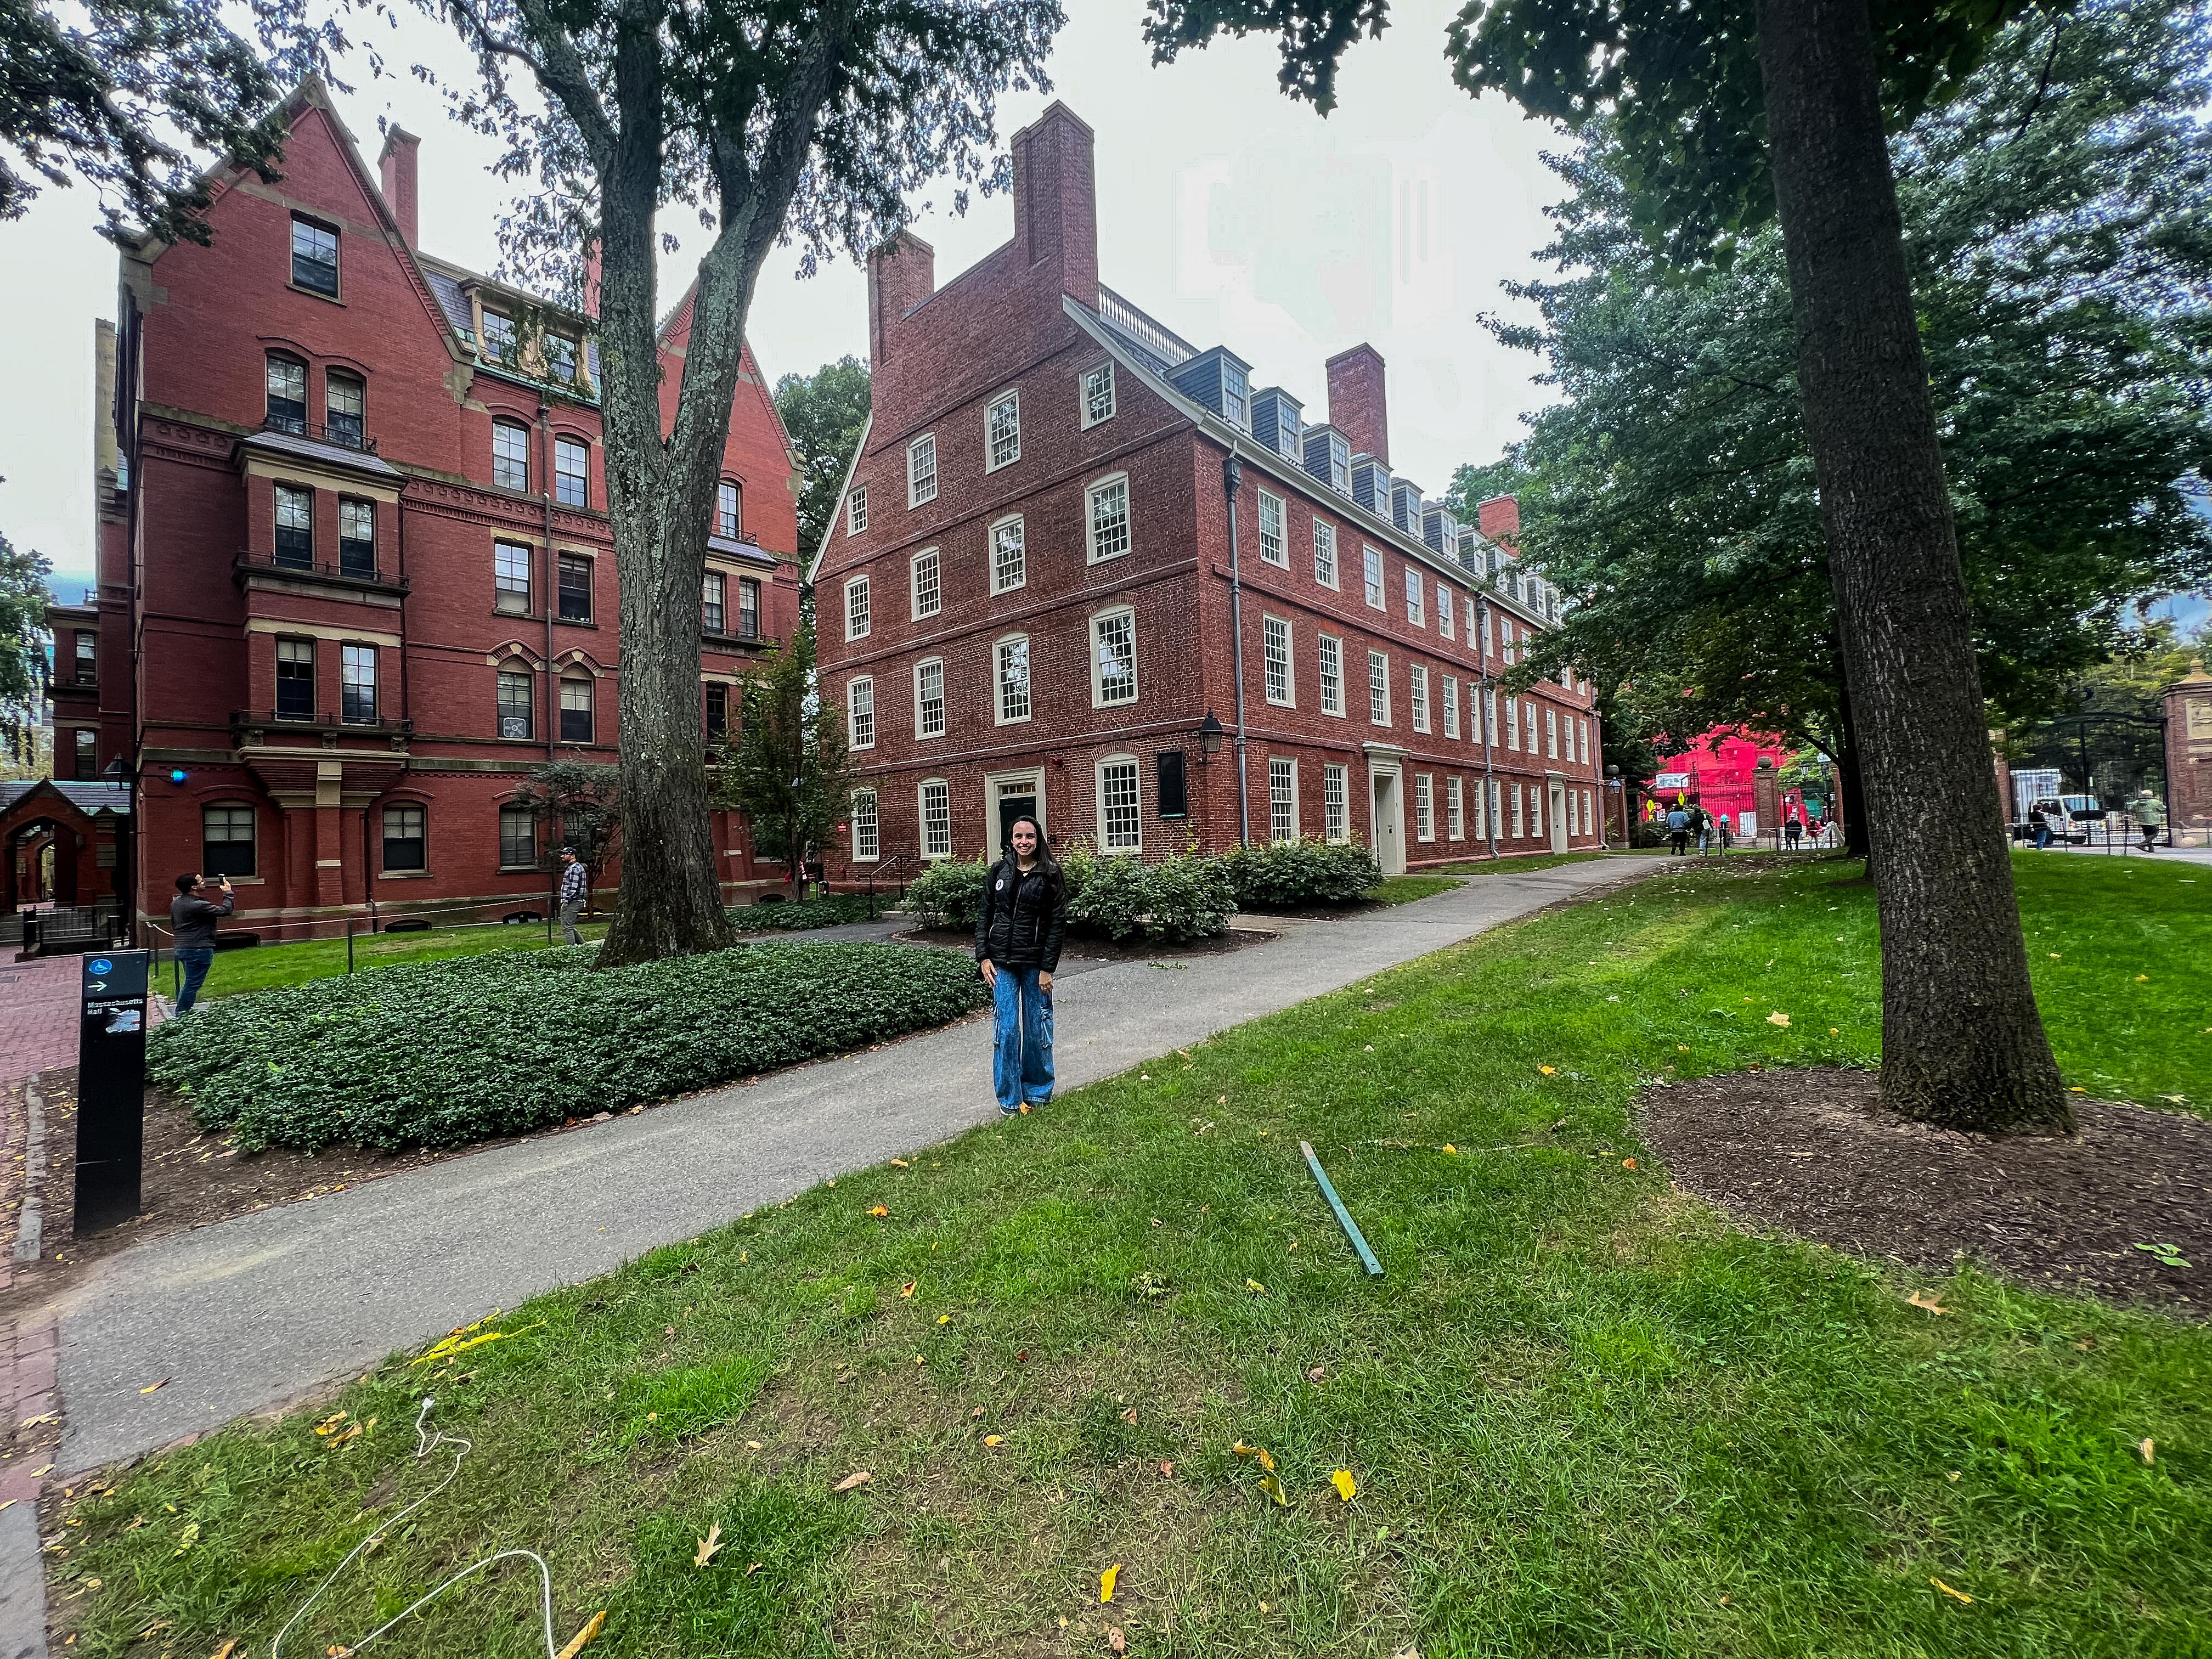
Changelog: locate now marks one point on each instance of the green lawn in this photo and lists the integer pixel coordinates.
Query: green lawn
(266, 965)
(1507, 867)
(1584, 1418)
(1404, 889)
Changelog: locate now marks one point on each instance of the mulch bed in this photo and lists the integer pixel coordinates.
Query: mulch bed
(1813, 1152)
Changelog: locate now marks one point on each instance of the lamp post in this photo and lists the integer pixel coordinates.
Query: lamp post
(1612, 784)
(1232, 471)
(1483, 713)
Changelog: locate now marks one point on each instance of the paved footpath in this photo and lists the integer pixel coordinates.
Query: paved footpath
(251, 1312)
(37, 1014)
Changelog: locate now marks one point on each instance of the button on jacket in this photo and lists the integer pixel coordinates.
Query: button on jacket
(1023, 919)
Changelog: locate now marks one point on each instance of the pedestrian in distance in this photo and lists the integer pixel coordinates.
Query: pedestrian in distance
(575, 888)
(1677, 831)
(1794, 829)
(1727, 830)
(1017, 938)
(2149, 814)
(192, 921)
(2038, 822)
(1701, 824)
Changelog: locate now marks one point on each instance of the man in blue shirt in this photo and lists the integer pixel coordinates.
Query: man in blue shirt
(575, 888)
(1678, 829)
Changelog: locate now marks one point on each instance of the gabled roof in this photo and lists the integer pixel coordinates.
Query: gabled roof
(89, 799)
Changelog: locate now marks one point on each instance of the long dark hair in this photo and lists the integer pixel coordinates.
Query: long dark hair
(1045, 862)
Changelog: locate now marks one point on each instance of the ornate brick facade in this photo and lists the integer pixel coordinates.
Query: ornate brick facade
(357, 571)
(1023, 395)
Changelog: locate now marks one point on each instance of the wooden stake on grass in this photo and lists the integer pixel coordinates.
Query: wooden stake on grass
(1343, 1216)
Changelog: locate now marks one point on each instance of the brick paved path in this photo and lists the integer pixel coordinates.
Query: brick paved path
(38, 1016)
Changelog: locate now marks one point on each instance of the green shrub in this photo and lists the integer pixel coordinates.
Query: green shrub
(1285, 874)
(1114, 898)
(1188, 896)
(443, 1054)
(832, 911)
(949, 894)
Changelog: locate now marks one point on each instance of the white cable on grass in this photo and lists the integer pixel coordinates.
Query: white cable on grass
(425, 1443)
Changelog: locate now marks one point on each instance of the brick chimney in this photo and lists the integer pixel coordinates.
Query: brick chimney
(1500, 518)
(397, 165)
(1056, 202)
(1356, 405)
(902, 274)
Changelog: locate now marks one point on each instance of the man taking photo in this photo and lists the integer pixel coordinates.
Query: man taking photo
(192, 919)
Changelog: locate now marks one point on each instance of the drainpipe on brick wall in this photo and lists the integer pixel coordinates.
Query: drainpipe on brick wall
(1483, 714)
(552, 585)
(1231, 471)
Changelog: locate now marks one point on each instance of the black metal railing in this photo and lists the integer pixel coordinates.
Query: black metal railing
(348, 571)
(324, 719)
(343, 435)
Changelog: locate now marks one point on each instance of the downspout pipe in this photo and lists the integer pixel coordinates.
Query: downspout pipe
(1232, 471)
(552, 580)
(1483, 714)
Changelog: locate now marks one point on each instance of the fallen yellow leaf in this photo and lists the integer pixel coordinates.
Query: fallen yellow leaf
(878, 1210)
(1451, 1149)
(2148, 1448)
(858, 1477)
(1274, 1488)
(1254, 1286)
(150, 1386)
(2140, 978)
(1777, 1017)
(1628, 1163)
(901, 1163)
(1923, 1299)
(1547, 1070)
(1267, 1461)
(994, 1440)
(1106, 1582)
(709, 1546)
(225, 1649)
(1347, 1487)
(907, 1290)
(576, 1641)
(1956, 1596)
(945, 1319)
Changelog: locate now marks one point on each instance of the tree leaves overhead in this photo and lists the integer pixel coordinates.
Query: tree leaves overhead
(23, 647)
(2056, 222)
(825, 413)
(788, 769)
(1313, 34)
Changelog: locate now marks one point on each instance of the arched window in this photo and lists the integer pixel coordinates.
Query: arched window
(510, 455)
(346, 405)
(404, 843)
(288, 394)
(227, 839)
(516, 701)
(576, 708)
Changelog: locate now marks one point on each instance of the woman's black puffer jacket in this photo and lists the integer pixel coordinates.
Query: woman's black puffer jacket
(1024, 917)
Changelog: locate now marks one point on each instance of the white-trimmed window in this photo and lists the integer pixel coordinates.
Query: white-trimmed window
(1098, 394)
(1490, 718)
(1378, 687)
(1236, 405)
(1002, 432)
(1444, 611)
(1581, 741)
(867, 842)
(935, 797)
(926, 588)
(1113, 659)
(1282, 799)
(929, 697)
(1424, 807)
(1121, 814)
(1455, 810)
(1275, 655)
(1325, 554)
(1332, 675)
(1486, 633)
(1013, 678)
(1106, 517)
(1417, 683)
(1513, 723)
(1470, 619)
(1551, 733)
(1273, 548)
(860, 713)
(1528, 722)
(856, 510)
(1481, 817)
(1535, 813)
(1451, 706)
(1010, 567)
(1414, 607)
(1335, 814)
(1517, 811)
(921, 470)
(856, 608)
(1370, 559)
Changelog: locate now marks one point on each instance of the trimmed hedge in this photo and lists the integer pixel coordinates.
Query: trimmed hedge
(445, 1054)
(1285, 874)
(793, 916)
(949, 894)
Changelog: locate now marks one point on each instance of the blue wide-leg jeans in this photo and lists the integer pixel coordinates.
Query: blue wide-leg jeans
(1021, 1069)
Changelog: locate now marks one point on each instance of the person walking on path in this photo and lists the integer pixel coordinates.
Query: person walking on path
(1678, 830)
(1018, 939)
(2038, 822)
(2149, 814)
(1794, 829)
(575, 888)
(192, 921)
(1701, 822)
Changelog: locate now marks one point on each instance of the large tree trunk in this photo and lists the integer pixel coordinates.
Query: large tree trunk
(1962, 1043)
(1850, 778)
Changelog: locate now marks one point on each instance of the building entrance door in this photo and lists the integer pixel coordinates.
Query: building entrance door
(1558, 792)
(1388, 822)
(1017, 797)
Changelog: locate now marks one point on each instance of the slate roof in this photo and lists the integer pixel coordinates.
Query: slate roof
(87, 797)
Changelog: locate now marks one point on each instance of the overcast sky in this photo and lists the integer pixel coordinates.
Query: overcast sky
(1230, 213)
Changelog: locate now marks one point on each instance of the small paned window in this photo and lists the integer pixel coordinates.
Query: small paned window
(295, 680)
(1002, 429)
(1417, 683)
(226, 840)
(575, 588)
(1121, 818)
(1114, 647)
(1378, 687)
(749, 611)
(1455, 810)
(1013, 680)
(936, 819)
(717, 713)
(314, 258)
(346, 401)
(713, 612)
(499, 339)
(729, 509)
(856, 608)
(1528, 719)
(87, 658)
(1332, 675)
(1273, 548)
(295, 527)
(1275, 653)
(860, 713)
(867, 843)
(86, 753)
(1444, 609)
(1009, 555)
(1108, 526)
(287, 395)
(1414, 597)
(928, 593)
(1236, 407)
(921, 470)
(1336, 823)
(1450, 700)
(1098, 395)
(576, 711)
(1282, 799)
(510, 455)
(1424, 807)
(518, 698)
(510, 565)
(1325, 554)
(357, 684)
(929, 698)
(517, 838)
(356, 537)
(1551, 733)
(1371, 562)
(405, 846)
(856, 510)
(571, 472)
(559, 356)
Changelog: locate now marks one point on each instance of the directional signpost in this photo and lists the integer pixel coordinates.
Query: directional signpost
(111, 1089)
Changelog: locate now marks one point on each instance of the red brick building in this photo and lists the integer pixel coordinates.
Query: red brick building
(1029, 602)
(357, 572)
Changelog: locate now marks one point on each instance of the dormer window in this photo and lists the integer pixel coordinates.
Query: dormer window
(1002, 433)
(921, 470)
(314, 258)
(498, 336)
(1234, 405)
(560, 357)
(1340, 463)
(1098, 395)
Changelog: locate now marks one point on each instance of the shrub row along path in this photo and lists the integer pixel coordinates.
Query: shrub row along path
(253, 1312)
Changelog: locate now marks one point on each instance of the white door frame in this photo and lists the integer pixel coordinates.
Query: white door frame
(1030, 776)
(1390, 852)
(1556, 799)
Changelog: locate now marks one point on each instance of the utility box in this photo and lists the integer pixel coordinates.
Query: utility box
(110, 1088)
